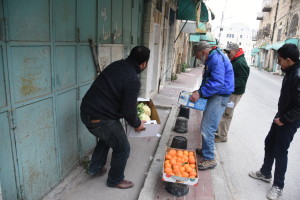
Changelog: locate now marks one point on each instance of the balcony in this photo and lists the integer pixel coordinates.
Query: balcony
(266, 7)
(260, 16)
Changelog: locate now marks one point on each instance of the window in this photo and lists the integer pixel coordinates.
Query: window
(232, 35)
(240, 43)
(241, 36)
(279, 34)
(293, 25)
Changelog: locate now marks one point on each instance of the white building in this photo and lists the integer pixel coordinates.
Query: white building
(237, 33)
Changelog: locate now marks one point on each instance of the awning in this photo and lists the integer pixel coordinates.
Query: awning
(292, 41)
(255, 50)
(263, 46)
(213, 43)
(194, 38)
(277, 45)
(268, 47)
(207, 37)
(187, 10)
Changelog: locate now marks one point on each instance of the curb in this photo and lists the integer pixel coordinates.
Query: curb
(155, 170)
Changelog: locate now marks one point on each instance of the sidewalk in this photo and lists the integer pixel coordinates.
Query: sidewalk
(154, 187)
(145, 163)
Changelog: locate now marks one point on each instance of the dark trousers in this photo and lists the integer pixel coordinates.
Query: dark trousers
(110, 134)
(277, 144)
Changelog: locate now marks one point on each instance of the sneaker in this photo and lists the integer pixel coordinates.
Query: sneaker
(219, 140)
(274, 193)
(102, 171)
(260, 176)
(207, 164)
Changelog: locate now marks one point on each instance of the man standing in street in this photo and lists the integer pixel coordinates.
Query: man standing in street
(285, 123)
(241, 74)
(113, 96)
(217, 85)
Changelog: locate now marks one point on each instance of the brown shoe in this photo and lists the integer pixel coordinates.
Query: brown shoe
(124, 184)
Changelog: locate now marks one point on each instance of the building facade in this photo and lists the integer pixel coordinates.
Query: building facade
(279, 24)
(237, 33)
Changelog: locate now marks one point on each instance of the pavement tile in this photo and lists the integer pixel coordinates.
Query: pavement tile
(204, 189)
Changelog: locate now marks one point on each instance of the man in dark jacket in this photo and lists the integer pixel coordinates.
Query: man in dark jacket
(112, 96)
(241, 74)
(285, 123)
(217, 85)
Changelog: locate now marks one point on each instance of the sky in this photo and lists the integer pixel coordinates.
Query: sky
(235, 11)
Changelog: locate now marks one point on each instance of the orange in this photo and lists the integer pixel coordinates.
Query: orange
(173, 161)
(185, 153)
(192, 160)
(191, 153)
(175, 167)
(193, 173)
(186, 165)
(168, 165)
(168, 157)
(192, 177)
(193, 166)
(177, 174)
(176, 170)
(168, 170)
(172, 152)
(182, 169)
(179, 153)
(185, 174)
(188, 169)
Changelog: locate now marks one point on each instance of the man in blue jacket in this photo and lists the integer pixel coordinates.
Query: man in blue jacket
(216, 87)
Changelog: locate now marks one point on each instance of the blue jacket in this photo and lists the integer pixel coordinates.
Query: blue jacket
(218, 77)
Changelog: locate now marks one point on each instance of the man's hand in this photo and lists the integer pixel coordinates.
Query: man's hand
(141, 127)
(278, 122)
(195, 96)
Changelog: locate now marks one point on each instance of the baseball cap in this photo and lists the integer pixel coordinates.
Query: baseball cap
(200, 46)
(232, 46)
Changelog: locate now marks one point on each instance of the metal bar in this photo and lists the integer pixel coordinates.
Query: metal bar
(180, 31)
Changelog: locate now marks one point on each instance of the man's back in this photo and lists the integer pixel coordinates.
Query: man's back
(219, 77)
(113, 94)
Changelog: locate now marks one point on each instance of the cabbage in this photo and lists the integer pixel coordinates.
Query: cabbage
(144, 117)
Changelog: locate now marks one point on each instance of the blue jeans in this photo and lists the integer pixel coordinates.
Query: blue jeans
(110, 134)
(277, 144)
(212, 115)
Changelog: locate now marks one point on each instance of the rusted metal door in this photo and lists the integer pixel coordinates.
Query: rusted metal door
(46, 67)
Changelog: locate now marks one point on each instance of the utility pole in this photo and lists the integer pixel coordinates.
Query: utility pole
(222, 19)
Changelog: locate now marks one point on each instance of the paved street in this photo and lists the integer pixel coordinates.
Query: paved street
(244, 150)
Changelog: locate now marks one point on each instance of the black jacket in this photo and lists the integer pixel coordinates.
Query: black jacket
(289, 100)
(113, 95)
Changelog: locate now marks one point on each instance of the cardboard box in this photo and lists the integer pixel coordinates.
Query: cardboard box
(152, 126)
(178, 179)
(184, 99)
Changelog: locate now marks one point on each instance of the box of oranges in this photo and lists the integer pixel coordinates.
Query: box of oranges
(180, 166)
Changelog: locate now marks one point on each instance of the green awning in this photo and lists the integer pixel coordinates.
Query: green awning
(207, 37)
(263, 46)
(213, 42)
(292, 41)
(255, 50)
(269, 46)
(277, 45)
(187, 10)
(194, 38)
